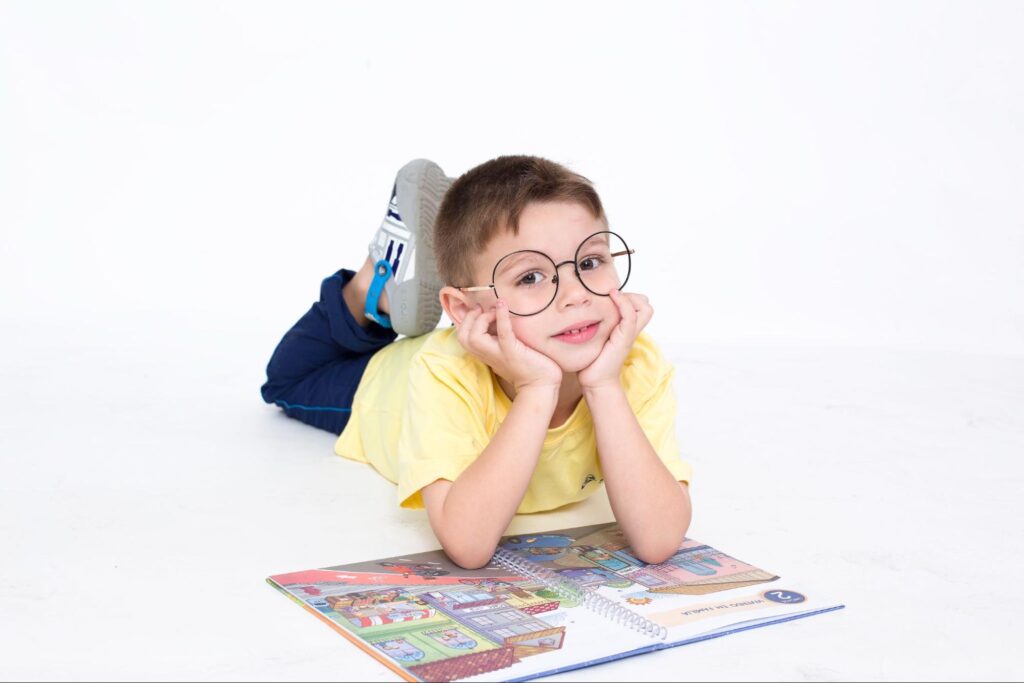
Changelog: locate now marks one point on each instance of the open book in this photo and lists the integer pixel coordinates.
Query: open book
(546, 603)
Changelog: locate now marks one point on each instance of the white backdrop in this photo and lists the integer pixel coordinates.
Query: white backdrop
(825, 199)
(842, 173)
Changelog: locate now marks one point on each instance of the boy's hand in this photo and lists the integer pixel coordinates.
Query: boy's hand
(510, 358)
(635, 312)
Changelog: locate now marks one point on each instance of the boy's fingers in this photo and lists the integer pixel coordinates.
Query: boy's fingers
(470, 325)
(504, 326)
(480, 323)
(482, 336)
(464, 328)
(644, 316)
(626, 309)
(646, 312)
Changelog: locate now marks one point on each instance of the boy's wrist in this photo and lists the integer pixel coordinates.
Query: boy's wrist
(541, 396)
(598, 391)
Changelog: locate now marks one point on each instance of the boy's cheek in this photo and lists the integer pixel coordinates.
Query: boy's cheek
(529, 337)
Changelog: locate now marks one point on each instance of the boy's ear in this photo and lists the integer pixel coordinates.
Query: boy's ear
(456, 304)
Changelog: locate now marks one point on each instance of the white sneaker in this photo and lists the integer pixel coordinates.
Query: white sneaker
(403, 251)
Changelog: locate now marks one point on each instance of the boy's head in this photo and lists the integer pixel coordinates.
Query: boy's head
(513, 204)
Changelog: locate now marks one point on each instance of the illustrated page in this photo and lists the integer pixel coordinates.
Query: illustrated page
(430, 619)
(699, 590)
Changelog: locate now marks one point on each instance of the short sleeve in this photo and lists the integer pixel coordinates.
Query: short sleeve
(655, 406)
(443, 424)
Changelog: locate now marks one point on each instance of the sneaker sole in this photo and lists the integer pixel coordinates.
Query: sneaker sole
(422, 186)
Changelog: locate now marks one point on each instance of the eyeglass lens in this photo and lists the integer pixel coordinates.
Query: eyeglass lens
(528, 280)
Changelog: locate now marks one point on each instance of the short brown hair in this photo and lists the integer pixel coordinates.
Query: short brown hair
(490, 197)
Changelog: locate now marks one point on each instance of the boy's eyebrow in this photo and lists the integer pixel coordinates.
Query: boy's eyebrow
(596, 239)
(509, 260)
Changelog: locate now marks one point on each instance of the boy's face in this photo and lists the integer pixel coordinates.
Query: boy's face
(556, 229)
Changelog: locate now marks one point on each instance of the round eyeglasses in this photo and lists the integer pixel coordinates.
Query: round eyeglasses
(528, 280)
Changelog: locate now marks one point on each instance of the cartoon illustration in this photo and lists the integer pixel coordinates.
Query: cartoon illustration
(695, 569)
(497, 587)
(453, 638)
(400, 650)
(594, 576)
(605, 558)
(443, 623)
(699, 563)
(541, 546)
(373, 608)
(441, 632)
(424, 570)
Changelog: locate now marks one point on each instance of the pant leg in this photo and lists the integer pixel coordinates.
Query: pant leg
(315, 369)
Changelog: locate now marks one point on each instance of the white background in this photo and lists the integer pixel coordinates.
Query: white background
(825, 199)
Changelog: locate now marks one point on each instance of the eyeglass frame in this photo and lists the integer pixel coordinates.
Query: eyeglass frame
(575, 267)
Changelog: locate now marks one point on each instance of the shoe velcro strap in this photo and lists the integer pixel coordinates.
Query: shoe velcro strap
(382, 272)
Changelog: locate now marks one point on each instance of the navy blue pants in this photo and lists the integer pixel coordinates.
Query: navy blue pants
(316, 368)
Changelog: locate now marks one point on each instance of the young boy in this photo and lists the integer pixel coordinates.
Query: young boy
(545, 387)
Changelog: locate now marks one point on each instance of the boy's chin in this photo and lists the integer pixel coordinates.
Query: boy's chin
(573, 363)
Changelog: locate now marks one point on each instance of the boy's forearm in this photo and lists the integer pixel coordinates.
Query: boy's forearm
(651, 507)
(482, 501)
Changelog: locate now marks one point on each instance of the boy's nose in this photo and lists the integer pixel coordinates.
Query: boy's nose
(570, 289)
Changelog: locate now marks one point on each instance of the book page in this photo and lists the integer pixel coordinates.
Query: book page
(698, 591)
(428, 619)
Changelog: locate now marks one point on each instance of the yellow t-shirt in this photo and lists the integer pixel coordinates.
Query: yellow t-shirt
(425, 409)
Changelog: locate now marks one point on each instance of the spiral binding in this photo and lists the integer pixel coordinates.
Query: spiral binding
(574, 591)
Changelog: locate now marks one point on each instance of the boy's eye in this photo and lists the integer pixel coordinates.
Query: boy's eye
(589, 263)
(531, 278)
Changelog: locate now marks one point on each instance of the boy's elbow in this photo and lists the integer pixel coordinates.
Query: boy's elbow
(656, 549)
(461, 542)
(652, 553)
(468, 557)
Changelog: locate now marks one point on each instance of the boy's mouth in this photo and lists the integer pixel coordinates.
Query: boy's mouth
(578, 332)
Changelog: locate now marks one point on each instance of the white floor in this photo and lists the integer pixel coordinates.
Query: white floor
(146, 491)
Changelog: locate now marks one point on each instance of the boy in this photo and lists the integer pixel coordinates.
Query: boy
(545, 388)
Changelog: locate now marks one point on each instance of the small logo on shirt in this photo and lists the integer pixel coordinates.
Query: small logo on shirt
(590, 478)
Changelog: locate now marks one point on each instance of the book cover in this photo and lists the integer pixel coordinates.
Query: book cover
(547, 603)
